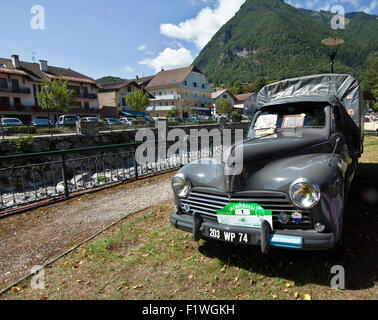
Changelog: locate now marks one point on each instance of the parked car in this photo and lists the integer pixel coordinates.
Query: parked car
(68, 120)
(149, 121)
(370, 124)
(175, 119)
(288, 188)
(112, 122)
(11, 122)
(193, 118)
(127, 121)
(41, 122)
(90, 119)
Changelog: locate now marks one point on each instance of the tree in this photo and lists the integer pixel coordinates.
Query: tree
(370, 77)
(375, 93)
(138, 100)
(55, 95)
(223, 106)
(187, 109)
(258, 84)
(370, 82)
(173, 113)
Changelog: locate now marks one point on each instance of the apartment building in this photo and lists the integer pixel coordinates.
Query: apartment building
(224, 94)
(20, 83)
(246, 103)
(185, 89)
(111, 97)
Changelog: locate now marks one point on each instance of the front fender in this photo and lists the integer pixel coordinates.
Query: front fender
(329, 176)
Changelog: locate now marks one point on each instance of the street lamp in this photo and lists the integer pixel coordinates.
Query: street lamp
(334, 44)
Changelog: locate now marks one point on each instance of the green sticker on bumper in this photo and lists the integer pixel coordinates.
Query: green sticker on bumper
(244, 215)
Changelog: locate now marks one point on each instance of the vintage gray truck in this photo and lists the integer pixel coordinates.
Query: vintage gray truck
(299, 161)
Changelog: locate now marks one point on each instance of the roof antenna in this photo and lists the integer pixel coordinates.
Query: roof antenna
(33, 55)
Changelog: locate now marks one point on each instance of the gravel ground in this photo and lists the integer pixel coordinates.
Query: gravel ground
(35, 237)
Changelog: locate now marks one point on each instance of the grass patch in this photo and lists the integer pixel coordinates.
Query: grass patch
(144, 257)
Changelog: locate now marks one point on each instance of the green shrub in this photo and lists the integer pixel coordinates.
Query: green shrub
(23, 144)
(21, 130)
(50, 131)
(235, 116)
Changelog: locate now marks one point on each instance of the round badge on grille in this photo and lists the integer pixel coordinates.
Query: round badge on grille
(186, 207)
(284, 218)
(297, 217)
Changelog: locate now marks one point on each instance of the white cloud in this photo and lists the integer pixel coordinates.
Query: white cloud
(142, 47)
(371, 7)
(355, 3)
(129, 69)
(202, 28)
(170, 59)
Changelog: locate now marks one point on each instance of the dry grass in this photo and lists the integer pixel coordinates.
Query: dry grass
(144, 257)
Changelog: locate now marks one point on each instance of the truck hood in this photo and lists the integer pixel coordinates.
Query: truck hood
(255, 155)
(272, 146)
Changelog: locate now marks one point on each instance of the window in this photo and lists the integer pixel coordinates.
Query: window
(186, 82)
(172, 93)
(4, 101)
(86, 105)
(160, 93)
(300, 115)
(3, 83)
(17, 101)
(204, 96)
(15, 85)
(35, 95)
(225, 96)
(165, 93)
(195, 84)
(74, 88)
(203, 86)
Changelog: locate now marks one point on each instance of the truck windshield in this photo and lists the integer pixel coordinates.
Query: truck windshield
(289, 116)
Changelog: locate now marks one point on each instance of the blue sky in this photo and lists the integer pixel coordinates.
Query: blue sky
(125, 38)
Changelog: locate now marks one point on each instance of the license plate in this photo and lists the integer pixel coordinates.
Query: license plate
(286, 241)
(226, 236)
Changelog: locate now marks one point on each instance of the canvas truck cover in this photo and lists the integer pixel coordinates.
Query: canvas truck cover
(316, 87)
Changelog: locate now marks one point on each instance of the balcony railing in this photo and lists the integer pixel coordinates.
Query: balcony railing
(87, 96)
(83, 111)
(165, 97)
(16, 90)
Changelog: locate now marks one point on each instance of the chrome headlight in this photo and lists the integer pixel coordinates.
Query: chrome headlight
(181, 186)
(304, 193)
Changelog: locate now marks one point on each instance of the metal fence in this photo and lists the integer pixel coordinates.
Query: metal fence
(30, 178)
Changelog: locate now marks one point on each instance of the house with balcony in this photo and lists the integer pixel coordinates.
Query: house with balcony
(246, 103)
(224, 94)
(185, 89)
(111, 97)
(20, 83)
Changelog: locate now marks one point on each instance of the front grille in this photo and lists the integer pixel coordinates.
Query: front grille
(207, 204)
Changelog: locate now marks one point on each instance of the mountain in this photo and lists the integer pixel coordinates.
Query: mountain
(109, 79)
(270, 38)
